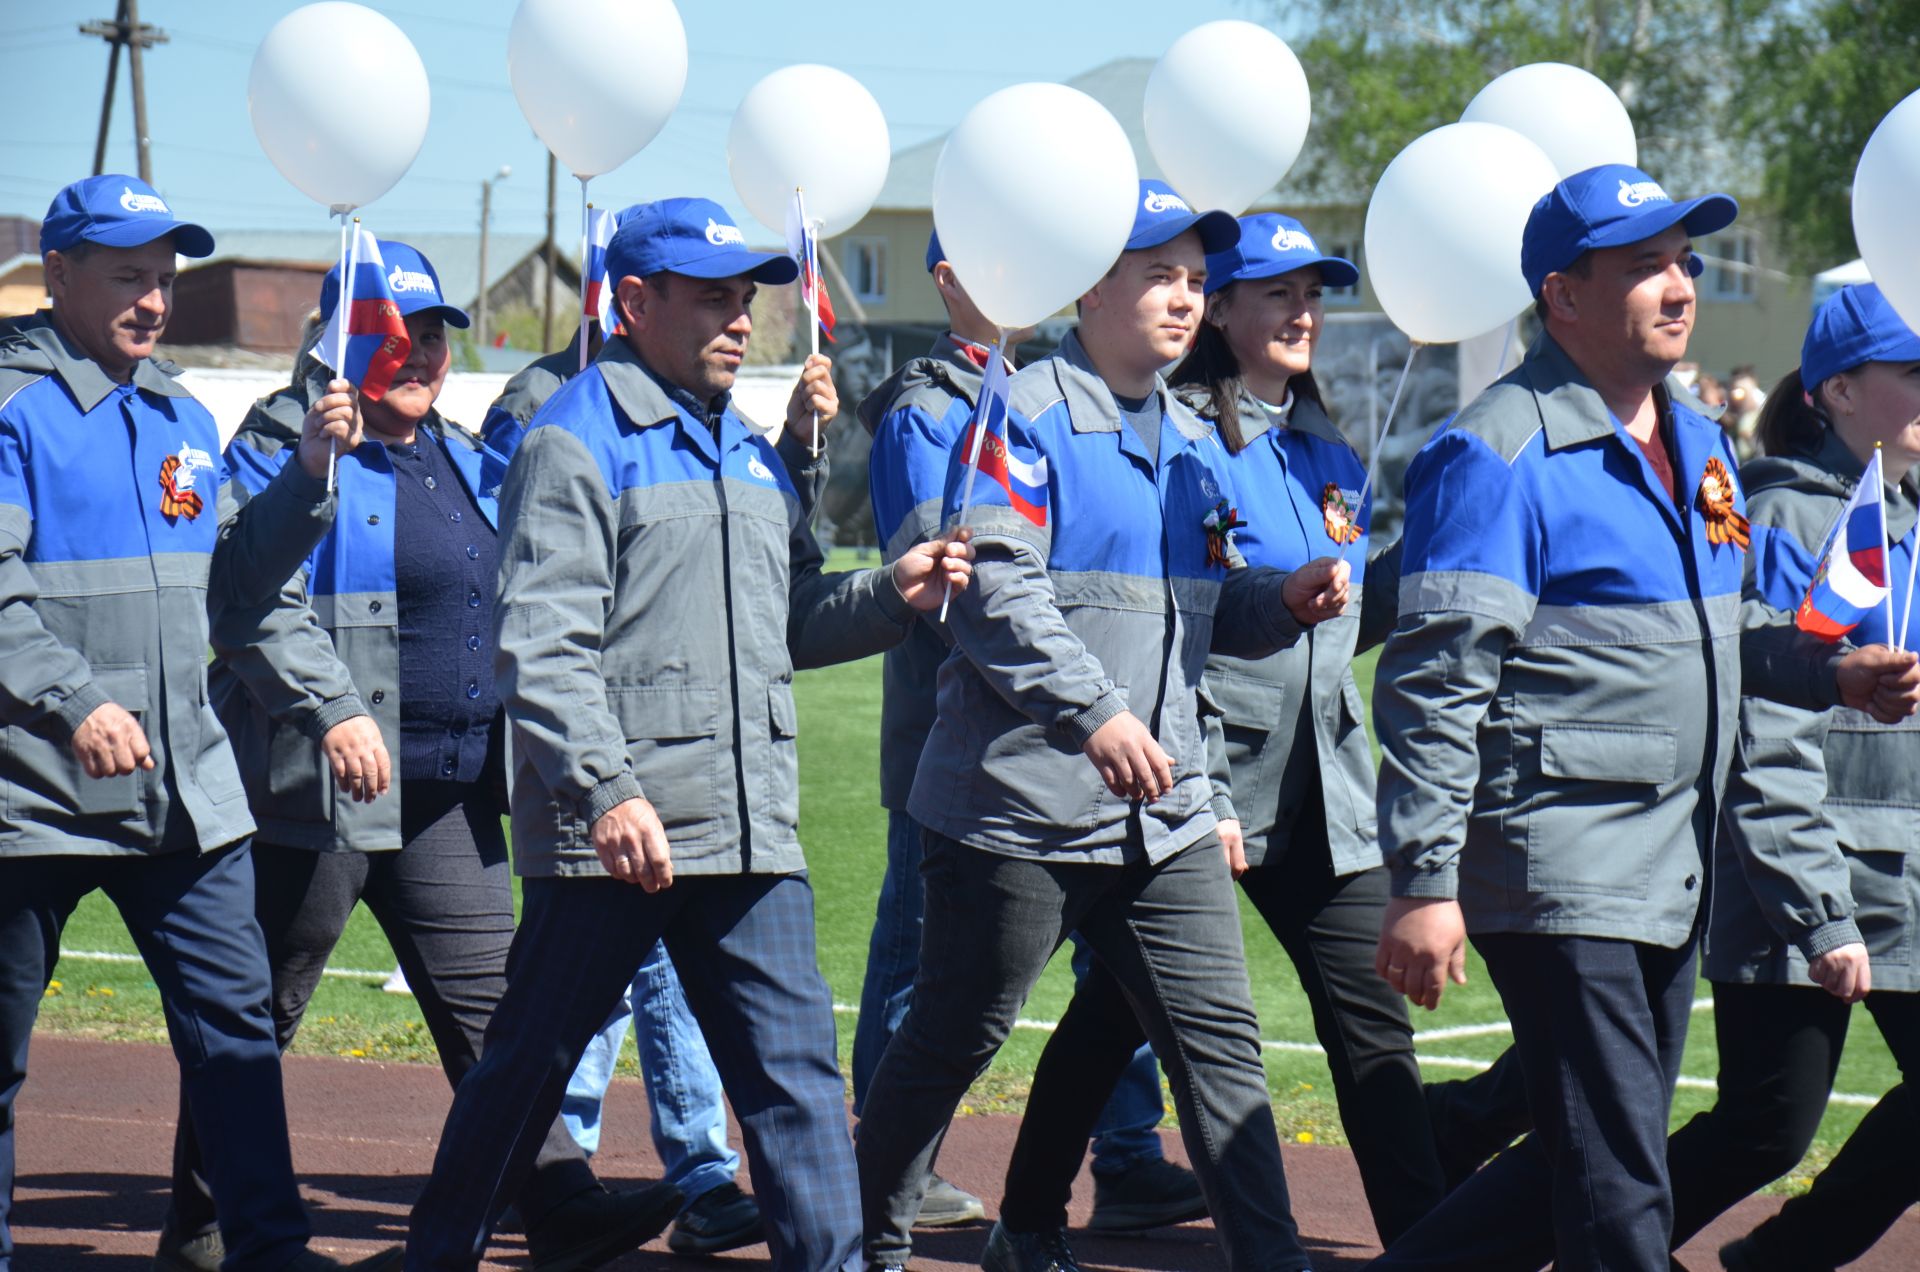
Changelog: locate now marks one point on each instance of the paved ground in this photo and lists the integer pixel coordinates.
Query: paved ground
(95, 1132)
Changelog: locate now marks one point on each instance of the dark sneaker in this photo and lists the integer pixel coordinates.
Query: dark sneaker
(199, 1253)
(1148, 1194)
(1028, 1251)
(388, 1260)
(586, 1231)
(722, 1218)
(946, 1205)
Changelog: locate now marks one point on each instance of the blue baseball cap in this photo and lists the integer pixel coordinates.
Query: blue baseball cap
(411, 278)
(934, 253)
(117, 211)
(1161, 216)
(1855, 325)
(694, 237)
(1610, 206)
(1271, 244)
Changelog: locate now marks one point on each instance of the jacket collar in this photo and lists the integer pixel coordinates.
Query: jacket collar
(1090, 403)
(1571, 409)
(1300, 415)
(644, 396)
(1833, 456)
(83, 377)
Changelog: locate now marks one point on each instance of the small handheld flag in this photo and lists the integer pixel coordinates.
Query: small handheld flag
(1852, 579)
(370, 346)
(803, 241)
(988, 451)
(601, 223)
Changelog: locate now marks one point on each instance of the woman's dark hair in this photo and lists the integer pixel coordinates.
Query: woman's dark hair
(1789, 423)
(1211, 366)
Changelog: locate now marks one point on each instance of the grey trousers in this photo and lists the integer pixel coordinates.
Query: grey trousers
(1170, 934)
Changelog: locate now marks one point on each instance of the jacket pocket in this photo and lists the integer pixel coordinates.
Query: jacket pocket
(116, 797)
(1877, 840)
(783, 771)
(670, 731)
(1591, 829)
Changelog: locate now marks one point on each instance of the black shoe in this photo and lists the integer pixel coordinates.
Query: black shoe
(314, 1261)
(1735, 1256)
(1028, 1251)
(947, 1205)
(587, 1230)
(201, 1252)
(1148, 1194)
(722, 1218)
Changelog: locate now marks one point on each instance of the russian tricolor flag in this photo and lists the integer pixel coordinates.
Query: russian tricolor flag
(988, 448)
(601, 223)
(1852, 579)
(803, 242)
(376, 337)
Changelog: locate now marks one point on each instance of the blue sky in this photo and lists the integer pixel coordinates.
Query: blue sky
(926, 63)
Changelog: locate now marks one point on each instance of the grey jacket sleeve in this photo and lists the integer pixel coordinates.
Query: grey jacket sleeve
(287, 661)
(43, 683)
(1783, 663)
(1252, 619)
(1009, 625)
(1786, 845)
(808, 471)
(1380, 598)
(557, 552)
(1438, 673)
(265, 538)
(835, 618)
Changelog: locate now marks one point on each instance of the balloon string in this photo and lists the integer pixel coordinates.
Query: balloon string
(1379, 435)
(973, 460)
(586, 216)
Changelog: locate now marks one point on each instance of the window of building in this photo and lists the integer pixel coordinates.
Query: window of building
(1733, 260)
(1343, 295)
(865, 263)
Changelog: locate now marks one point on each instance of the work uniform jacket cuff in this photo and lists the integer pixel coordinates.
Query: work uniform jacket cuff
(328, 714)
(1082, 725)
(608, 795)
(1829, 937)
(80, 704)
(1426, 885)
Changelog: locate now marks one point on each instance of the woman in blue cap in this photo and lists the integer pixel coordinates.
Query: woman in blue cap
(1814, 885)
(390, 684)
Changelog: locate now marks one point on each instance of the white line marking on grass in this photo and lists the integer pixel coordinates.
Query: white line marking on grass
(1048, 1026)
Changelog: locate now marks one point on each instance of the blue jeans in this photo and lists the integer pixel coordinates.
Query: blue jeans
(1125, 1134)
(683, 1091)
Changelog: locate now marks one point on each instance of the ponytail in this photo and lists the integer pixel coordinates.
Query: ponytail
(1790, 423)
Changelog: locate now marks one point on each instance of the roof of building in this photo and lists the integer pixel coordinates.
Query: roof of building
(455, 257)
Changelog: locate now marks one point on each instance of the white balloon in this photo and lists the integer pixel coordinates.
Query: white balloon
(1886, 190)
(1444, 228)
(816, 128)
(1569, 113)
(1227, 110)
(597, 79)
(1031, 217)
(339, 102)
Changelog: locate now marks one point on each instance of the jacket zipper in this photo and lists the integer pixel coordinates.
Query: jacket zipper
(733, 655)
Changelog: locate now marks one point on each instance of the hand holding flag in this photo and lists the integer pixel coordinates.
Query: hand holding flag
(803, 242)
(366, 338)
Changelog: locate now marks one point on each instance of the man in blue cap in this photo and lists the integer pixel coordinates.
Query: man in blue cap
(1064, 784)
(917, 417)
(656, 788)
(118, 533)
(1558, 708)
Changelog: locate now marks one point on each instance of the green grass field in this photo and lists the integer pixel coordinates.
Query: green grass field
(844, 830)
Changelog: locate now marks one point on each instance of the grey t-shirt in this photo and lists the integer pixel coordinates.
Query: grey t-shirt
(1143, 417)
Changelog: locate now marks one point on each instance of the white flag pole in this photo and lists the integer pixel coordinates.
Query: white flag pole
(973, 457)
(1379, 435)
(810, 248)
(586, 220)
(349, 253)
(1906, 611)
(1877, 472)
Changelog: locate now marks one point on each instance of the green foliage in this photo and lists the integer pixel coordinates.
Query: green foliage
(1817, 84)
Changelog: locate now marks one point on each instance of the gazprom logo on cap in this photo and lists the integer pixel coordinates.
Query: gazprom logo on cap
(411, 280)
(1286, 240)
(721, 235)
(142, 202)
(1158, 202)
(1633, 194)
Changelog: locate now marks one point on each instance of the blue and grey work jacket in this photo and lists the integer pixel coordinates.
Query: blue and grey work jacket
(1559, 701)
(1822, 842)
(119, 533)
(1103, 597)
(338, 655)
(1298, 485)
(658, 586)
(916, 417)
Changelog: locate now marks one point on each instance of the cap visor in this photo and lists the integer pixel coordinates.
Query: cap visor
(770, 268)
(448, 314)
(1334, 272)
(1218, 232)
(1705, 215)
(188, 239)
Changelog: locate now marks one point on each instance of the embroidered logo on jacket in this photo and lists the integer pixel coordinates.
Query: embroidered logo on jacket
(1715, 501)
(759, 469)
(178, 474)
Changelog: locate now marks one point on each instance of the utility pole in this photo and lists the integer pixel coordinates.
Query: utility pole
(486, 215)
(546, 300)
(126, 29)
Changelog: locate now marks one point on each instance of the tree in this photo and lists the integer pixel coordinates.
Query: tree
(1815, 86)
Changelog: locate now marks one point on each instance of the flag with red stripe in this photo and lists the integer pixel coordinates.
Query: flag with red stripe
(376, 343)
(803, 241)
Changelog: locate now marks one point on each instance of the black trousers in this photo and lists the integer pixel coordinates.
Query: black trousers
(1780, 1047)
(1329, 926)
(445, 901)
(1599, 1026)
